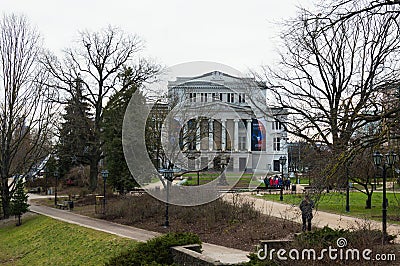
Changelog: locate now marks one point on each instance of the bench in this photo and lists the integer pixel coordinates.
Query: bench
(268, 189)
(66, 205)
(63, 205)
(137, 190)
(233, 190)
(309, 189)
(275, 244)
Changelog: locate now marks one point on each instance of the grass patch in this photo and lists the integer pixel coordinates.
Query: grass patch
(44, 241)
(335, 202)
(244, 181)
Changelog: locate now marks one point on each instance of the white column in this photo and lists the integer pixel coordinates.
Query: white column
(198, 136)
(236, 135)
(211, 134)
(248, 139)
(223, 133)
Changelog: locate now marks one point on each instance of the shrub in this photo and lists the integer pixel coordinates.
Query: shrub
(322, 237)
(155, 251)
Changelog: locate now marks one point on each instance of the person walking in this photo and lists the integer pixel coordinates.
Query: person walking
(306, 207)
(271, 182)
(288, 184)
(266, 181)
(280, 182)
(276, 182)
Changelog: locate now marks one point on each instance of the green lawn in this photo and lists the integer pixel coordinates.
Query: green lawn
(204, 178)
(44, 241)
(336, 202)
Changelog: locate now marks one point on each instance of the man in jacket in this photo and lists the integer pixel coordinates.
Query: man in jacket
(306, 207)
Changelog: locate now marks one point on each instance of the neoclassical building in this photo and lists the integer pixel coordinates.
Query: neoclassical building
(229, 115)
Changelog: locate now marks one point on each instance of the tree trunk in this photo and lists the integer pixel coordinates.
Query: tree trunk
(19, 220)
(5, 200)
(368, 202)
(94, 169)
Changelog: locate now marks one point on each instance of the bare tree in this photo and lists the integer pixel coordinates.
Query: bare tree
(339, 11)
(363, 172)
(98, 60)
(330, 79)
(26, 117)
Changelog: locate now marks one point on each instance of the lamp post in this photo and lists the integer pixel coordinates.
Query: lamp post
(223, 163)
(169, 176)
(282, 161)
(390, 158)
(104, 173)
(56, 174)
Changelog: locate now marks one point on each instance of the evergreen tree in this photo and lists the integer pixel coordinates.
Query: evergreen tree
(76, 138)
(19, 201)
(120, 177)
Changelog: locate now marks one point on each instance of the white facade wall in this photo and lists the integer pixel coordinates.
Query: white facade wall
(237, 115)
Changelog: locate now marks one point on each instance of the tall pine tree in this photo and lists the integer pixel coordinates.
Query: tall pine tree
(120, 177)
(76, 133)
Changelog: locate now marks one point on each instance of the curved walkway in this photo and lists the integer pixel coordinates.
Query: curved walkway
(321, 218)
(217, 253)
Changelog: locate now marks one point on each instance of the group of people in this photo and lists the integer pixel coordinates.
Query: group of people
(277, 182)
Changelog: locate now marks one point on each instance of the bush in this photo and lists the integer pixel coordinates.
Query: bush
(156, 251)
(322, 237)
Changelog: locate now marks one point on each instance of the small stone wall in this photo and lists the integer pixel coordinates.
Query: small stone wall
(190, 255)
(275, 244)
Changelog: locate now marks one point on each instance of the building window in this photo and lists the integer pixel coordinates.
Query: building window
(230, 97)
(242, 143)
(276, 125)
(277, 144)
(277, 165)
(203, 97)
(242, 98)
(192, 97)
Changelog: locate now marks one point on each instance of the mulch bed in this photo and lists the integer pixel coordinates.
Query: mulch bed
(217, 222)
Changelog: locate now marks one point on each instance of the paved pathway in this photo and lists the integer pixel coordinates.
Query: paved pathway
(321, 219)
(217, 253)
(220, 253)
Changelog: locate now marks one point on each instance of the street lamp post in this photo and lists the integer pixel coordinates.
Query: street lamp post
(104, 173)
(223, 163)
(282, 161)
(390, 158)
(55, 189)
(169, 176)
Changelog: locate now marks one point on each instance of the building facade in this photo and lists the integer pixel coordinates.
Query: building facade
(224, 114)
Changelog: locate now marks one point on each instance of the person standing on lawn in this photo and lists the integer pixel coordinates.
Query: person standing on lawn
(306, 207)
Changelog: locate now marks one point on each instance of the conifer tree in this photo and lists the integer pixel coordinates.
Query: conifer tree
(19, 201)
(120, 177)
(76, 140)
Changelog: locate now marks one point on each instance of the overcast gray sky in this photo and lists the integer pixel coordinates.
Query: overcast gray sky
(236, 33)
